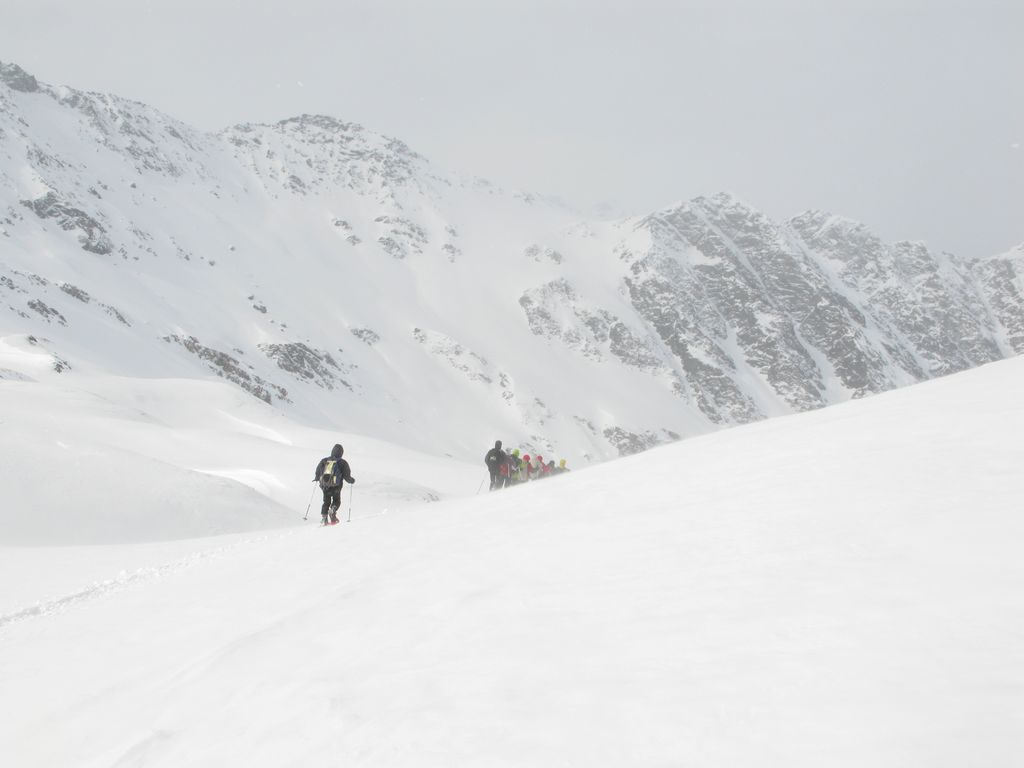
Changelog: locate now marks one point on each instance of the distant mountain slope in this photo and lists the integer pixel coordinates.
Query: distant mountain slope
(337, 274)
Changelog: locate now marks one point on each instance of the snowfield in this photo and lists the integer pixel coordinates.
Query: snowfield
(836, 588)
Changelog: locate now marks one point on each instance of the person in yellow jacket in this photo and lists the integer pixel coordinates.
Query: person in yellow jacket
(515, 467)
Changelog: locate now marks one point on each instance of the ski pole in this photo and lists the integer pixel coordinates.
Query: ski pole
(479, 487)
(351, 492)
(306, 516)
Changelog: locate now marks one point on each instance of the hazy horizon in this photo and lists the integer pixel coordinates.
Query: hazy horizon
(907, 116)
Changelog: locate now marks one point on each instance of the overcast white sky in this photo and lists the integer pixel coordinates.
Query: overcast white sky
(908, 115)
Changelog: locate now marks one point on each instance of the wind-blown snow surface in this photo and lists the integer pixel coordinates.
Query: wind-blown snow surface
(115, 460)
(838, 588)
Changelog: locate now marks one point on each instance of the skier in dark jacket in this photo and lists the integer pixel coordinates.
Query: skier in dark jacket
(494, 460)
(331, 473)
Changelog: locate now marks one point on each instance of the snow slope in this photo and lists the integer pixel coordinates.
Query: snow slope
(835, 588)
(125, 459)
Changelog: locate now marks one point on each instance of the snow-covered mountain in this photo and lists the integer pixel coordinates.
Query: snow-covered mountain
(337, 274)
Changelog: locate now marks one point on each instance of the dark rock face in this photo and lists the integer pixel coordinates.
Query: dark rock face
(403, 237)
(473, 366)
(48, 313)
(17, 79)
(321, 152)
(1001, 280)
(703, 301)
(92, 236)
(555, 311)
(929, 306)
(116, 314)
(316, 366)
(627, 443)
(57, 363)
(540, 255)
(228, 367)
(366, 335)
(76, 292)
(818, 309)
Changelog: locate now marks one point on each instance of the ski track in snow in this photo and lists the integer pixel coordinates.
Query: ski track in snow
(124, 580)
(127, 579)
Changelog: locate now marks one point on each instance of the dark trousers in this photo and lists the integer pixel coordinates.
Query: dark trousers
(332, 500)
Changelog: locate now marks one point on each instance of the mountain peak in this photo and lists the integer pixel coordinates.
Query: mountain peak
(325, 129)
(302, 124)
(721, 199)
(17, 78)
(1013, 254)
(715, 202)
(321, 122)
(816, 223)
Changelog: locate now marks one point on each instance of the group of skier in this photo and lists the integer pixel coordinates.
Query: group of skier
(512, 468)
(505, 469)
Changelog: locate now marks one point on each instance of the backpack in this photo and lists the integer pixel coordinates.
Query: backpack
(331, 477)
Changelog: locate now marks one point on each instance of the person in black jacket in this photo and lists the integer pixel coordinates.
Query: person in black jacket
(494, 460)
(332, 472)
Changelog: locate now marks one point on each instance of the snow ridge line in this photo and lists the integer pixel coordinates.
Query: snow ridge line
(122, 581)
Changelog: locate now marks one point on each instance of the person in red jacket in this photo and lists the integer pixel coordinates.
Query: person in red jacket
(504, 473)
